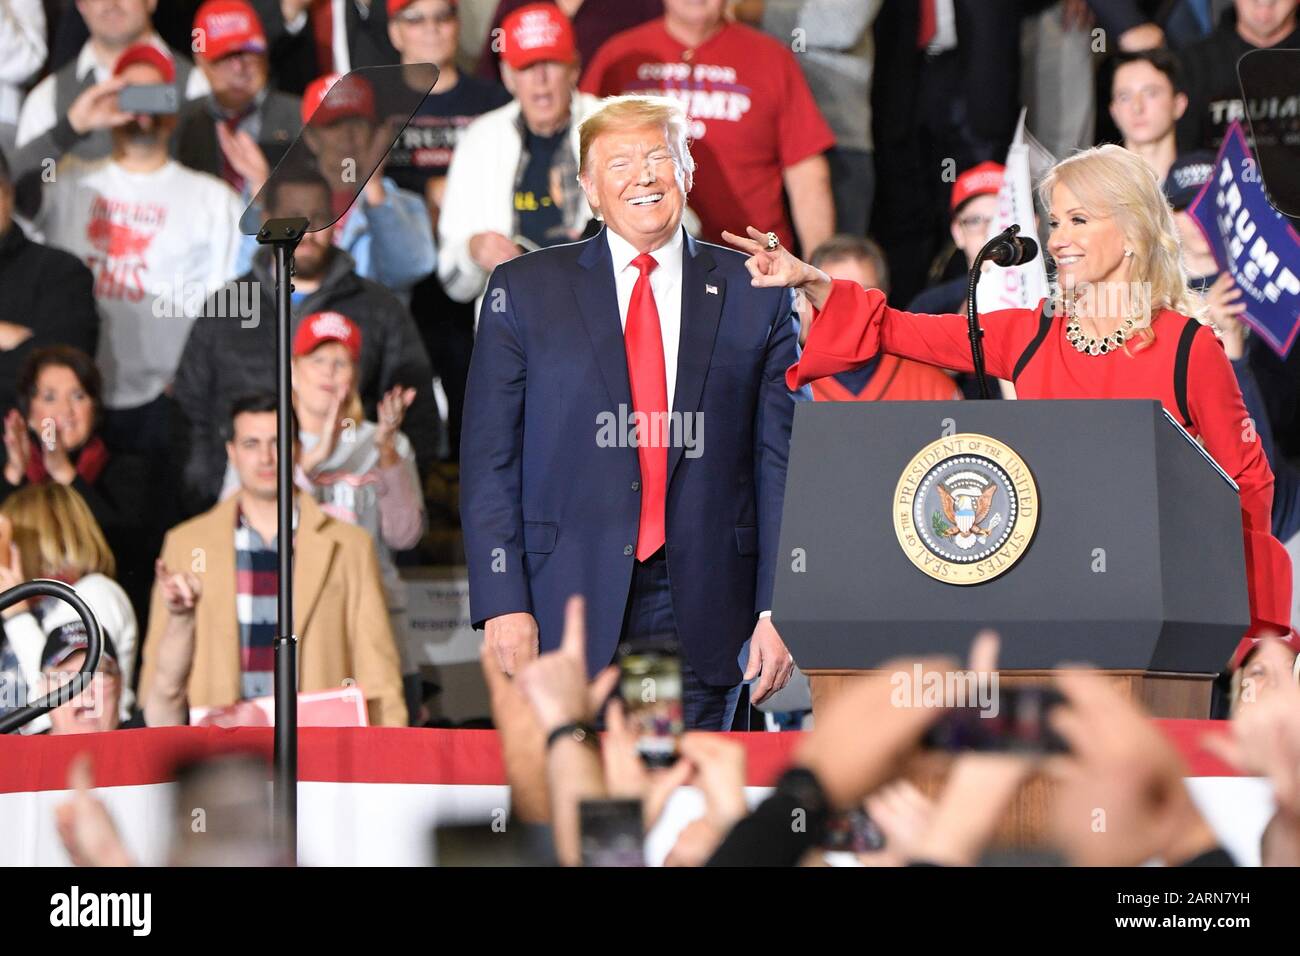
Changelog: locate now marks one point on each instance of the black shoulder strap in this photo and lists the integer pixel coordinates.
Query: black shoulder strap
(1180, 369)
(1044, 326)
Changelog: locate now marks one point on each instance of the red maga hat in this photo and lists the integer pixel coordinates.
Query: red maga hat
(537, 32)
(397, 6)
(321, 327)
(228, 26)
(146, 53)
(355, 97)
(982, 180)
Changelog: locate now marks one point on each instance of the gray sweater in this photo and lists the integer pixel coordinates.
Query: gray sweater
(832, 41)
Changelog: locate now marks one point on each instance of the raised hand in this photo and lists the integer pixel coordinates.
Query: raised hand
(849, 763)
(180, 590)
(245, 157)
(626, 775)
(779, 267)
(556, 683)
(1122, 799)
(391, 411)
(309, 461)
(85, 826)
(96, 108)
(11, 569)
(54, 454)
(18, 447)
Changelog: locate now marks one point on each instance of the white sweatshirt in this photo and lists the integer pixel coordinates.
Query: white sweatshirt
(158, 244)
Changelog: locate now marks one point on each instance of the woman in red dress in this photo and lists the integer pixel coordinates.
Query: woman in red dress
(1122, 324)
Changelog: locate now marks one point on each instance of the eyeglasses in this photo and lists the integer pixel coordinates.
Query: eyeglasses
(239, 60)
(971, 223)
(413, 18)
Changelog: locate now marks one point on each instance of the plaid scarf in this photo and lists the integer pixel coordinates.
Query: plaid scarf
(257, 583)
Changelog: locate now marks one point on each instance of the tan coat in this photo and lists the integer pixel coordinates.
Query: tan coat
(342, 617)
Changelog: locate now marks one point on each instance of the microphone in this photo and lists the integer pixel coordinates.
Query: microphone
(1008, 249)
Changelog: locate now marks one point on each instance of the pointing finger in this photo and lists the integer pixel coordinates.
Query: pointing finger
(574, 642)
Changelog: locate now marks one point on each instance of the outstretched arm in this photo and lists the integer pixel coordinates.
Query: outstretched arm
(851, 324)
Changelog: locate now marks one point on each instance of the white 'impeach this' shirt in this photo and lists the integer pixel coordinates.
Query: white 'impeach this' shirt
(158, 244)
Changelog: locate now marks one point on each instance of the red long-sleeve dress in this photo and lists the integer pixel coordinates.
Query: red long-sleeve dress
(855, 324)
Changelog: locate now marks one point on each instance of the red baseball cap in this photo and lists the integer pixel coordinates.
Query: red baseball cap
(321, 327)
(982, 180)
(146, 53)
(354, 98)
(537, 32)
(228, 26)
(1248, 645)
(397, 6)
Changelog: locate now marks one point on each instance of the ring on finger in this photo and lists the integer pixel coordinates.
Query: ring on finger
(773, 242)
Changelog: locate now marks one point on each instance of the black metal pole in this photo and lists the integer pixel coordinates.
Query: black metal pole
(973, 326)
(94, 644)
(283, 236)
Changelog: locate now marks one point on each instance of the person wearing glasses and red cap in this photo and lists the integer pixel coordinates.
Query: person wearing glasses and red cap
(513, 179)
(428, 31)
(243, 112)
(974, 203)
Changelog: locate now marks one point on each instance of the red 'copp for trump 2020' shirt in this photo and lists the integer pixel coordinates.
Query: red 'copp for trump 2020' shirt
(752, 115)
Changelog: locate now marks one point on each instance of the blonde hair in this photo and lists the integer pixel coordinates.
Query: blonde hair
(352, 408)
(1113, 182)
(56, 533)
(629, 112)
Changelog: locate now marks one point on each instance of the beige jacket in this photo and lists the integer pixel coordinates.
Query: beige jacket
(341, 614)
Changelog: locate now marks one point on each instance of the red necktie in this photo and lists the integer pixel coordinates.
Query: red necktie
(645, 368)
(227, 171)
(322, 28)
(929, 24)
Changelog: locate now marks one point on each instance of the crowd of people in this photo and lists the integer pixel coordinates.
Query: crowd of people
(137, 338)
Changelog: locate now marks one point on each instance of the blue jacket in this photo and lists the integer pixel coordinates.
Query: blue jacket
(549, 509)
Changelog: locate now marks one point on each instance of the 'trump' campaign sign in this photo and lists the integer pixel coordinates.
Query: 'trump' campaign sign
(1253, 242)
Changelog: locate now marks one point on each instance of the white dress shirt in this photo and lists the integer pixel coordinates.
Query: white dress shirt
(339, 51)
(665, 283)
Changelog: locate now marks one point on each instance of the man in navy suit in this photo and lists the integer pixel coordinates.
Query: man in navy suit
(626, 431)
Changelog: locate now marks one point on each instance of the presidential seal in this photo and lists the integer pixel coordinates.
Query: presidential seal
(965, 509)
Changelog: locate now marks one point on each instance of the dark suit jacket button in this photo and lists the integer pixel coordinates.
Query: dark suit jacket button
(629, 549)
(636, 486)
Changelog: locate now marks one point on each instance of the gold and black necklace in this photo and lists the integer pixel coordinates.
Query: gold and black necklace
(1091, 346)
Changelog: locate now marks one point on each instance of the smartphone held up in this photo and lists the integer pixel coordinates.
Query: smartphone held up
(650, 682)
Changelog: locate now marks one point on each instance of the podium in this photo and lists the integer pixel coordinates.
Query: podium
(1129, 559)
